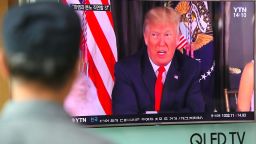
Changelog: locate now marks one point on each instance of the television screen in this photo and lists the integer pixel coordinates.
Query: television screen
(164, 62)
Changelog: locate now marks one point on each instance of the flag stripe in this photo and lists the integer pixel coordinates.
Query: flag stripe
(182, 42)
(107, 31)
(97, 78)
(99, 62)
(103, 96)
(107, 28)
(98, 71)
(101, 41)
(105, 2)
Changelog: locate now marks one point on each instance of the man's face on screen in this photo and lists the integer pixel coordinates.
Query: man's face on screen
(161, 40)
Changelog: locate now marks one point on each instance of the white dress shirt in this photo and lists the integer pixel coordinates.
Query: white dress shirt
(155, 67)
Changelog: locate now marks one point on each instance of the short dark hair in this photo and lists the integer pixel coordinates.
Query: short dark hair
(42, 42)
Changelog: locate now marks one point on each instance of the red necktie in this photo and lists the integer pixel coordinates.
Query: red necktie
(159, 88)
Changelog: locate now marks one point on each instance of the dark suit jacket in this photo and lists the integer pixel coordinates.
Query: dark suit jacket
(134, 87)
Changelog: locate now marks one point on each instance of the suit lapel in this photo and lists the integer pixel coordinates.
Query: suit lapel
(149, 77)
(171, 85)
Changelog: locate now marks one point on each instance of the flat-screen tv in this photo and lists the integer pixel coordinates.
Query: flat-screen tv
(210, 77)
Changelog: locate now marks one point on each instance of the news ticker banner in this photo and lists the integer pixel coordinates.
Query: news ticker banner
(114, 120)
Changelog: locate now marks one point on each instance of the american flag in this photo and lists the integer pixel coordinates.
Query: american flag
(182, 42)
(91, 93)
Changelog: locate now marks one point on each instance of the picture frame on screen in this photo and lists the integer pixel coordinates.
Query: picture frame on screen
(164, 62)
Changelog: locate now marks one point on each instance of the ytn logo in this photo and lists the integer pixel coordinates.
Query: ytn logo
(78, 120)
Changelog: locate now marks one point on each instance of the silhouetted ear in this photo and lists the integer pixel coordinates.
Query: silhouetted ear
(4, 71)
